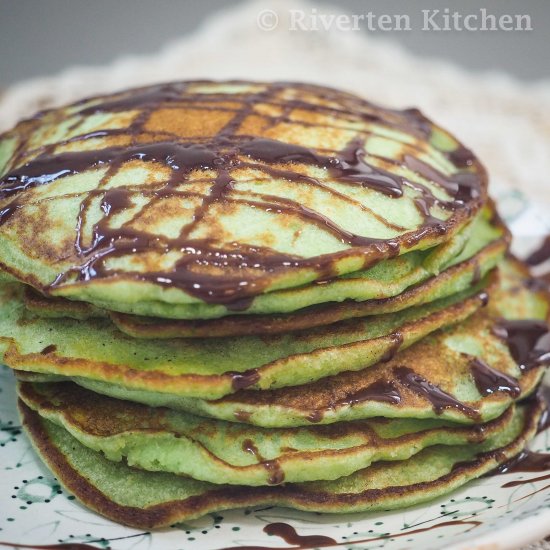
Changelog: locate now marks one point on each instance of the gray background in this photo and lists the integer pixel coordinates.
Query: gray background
(41, 37)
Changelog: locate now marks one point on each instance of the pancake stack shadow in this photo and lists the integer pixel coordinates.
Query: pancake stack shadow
(227, 294)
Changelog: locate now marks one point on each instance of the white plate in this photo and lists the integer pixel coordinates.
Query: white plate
(34, 510)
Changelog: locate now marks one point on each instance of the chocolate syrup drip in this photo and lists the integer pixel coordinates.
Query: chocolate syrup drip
(397, 341)
(315, 416)
(8, 211)
(140, 98)
(544, 422)
(381, 390)
(543, 394)
(463, 187)
(242, 416)
(535, 464)
(538, 284)
(489, 380)
(476, 277)
(274, 151)
(249, 447)
(350, 166)
(526, 461)
(224, 152)
(484, 297)
(276, 473)
(289, 535)
(461, 157)
(439, 399)
(242, 380)
(528, 341)
(541, 254)
(242, 304)
(417, 120)
(519, 482)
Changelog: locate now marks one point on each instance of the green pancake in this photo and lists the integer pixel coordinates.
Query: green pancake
(190, 199)
(226, 452)
(213, 367)
(390, 290)
(456, 361)
(152, 499)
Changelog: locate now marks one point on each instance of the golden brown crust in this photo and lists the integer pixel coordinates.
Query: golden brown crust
(299, 495)
(53, 363)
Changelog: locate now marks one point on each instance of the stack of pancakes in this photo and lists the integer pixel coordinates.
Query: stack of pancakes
(225, 294)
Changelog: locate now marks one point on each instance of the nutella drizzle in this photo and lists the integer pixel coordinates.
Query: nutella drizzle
(518, 482)
(541, 254)
(439, 399)
(289, 535)
(528, 341)
(242, 416)
(276, 473)
(526, 461)
(476, 277)
(489, 380)
(484, 298)
(380, 390)
(397, 341)
(242, 380)
(301, 542)
(543, 394)
(223, 153)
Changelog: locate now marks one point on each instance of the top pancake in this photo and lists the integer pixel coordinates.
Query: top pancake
(204, 192)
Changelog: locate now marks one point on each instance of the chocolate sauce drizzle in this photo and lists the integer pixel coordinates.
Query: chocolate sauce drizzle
(543, 394)
(484, 298)
(388, 391)
(49, 349)
(526, 461)
(243, 266)
(489, 380)
(289, 535)
(382, 390)
(541, 254)
(518, 482)
(304, 542)
(242, 416)
(242, 380)
(530, 462)
(276, 473)
(528, 341)
(439, 399)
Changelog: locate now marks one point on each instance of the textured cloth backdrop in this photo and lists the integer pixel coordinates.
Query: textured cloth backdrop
(506, 122)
